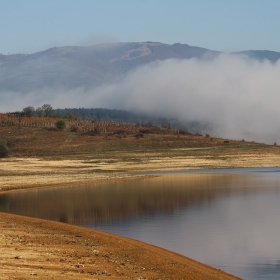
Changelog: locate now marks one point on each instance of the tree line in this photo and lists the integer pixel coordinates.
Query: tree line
(120, 116)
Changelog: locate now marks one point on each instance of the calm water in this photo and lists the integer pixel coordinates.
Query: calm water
(227, 220)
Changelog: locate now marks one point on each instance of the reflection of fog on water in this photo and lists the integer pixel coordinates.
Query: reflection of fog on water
(229, 221)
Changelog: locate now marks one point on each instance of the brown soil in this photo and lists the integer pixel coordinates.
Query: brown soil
(42, 249)
(38, 249)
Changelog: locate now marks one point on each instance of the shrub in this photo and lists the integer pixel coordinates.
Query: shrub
(60, 124)
(4, 149)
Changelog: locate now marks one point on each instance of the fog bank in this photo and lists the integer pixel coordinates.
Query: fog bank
(237, 96)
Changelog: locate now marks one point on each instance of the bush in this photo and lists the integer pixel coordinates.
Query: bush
(4, 149)
(60, 124)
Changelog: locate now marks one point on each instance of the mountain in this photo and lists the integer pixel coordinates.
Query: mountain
(73, 67)
(260, 55)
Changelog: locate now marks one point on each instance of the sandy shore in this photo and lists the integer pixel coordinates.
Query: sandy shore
(22, 173)
(39, 249)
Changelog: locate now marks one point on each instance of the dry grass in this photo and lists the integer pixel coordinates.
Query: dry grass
(40, 142)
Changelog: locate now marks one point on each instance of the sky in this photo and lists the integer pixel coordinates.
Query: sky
(28, 26)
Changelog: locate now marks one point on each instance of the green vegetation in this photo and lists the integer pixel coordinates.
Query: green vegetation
(4, 149)
(60, 124)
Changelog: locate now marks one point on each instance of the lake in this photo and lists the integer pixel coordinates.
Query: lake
(228, 219)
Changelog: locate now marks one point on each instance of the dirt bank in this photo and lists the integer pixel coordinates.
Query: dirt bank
(38, 249)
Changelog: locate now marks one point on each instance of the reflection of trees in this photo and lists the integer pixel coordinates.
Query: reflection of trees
(4, 203)
(110, 201)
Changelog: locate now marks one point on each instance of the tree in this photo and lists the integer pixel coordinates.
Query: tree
(4, 149)
(60, 124)
(40, 112)
(69, 115)
(28, 111)
(48, 109)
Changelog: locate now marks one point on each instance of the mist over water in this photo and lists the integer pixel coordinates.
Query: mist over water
(239, 97)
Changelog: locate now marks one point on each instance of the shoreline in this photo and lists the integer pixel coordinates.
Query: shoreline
(41, 249)
(33, 172)
(45, 249)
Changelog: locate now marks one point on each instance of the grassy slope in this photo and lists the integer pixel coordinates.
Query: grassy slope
(40, 142)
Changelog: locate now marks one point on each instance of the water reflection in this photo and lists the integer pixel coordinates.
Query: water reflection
(229, 221)
(111, 201)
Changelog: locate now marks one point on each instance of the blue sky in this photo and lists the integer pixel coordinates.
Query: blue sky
(27, 26)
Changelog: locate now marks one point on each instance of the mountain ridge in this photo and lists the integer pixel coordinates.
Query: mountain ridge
(71, 67)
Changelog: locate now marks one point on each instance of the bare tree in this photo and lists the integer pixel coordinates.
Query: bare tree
(28, 111)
